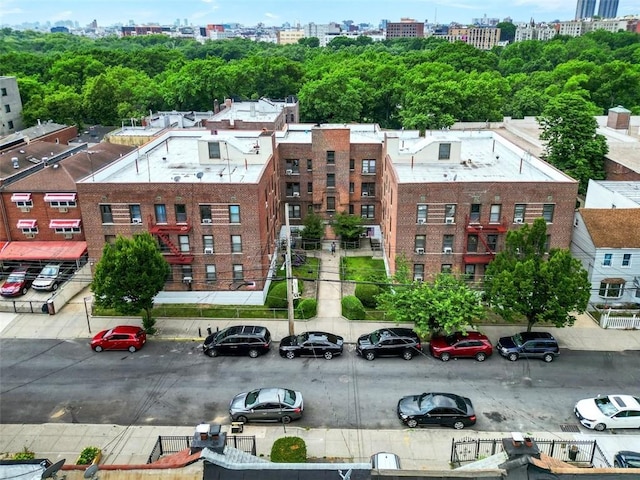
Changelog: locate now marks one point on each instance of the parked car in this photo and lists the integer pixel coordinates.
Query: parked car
(529, 345)
(123, 337)
(389, 342)
(311, 344)
(267, 404)
(18, 282)
(609, 411)
(436, 409)
(461, 345)
(626, 459)
(51, 276)
(249, 340)
(385, 461)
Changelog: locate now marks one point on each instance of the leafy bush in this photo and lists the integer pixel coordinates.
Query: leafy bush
(289, 450)
(307, 308)
(352, 308)
(87, 455)
(366, 293)
(277, 296)
(25, 454)
(149, 325)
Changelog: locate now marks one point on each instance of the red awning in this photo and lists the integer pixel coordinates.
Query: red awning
(19, 251)
(27, 223)
(60, 197)
(71, 223)
(21, 197)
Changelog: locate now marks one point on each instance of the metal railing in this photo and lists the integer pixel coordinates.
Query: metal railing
(167, 445)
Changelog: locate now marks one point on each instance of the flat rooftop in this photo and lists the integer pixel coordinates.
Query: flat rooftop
(630, 190)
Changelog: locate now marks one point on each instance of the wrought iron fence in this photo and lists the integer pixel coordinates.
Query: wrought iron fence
(166, 445)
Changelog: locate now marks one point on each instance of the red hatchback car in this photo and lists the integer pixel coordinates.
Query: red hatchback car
(18, 282)
(124, 337)
(461, 345)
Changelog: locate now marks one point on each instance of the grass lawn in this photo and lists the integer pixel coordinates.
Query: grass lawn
(361, 268)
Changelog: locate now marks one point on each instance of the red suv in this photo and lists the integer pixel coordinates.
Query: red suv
(462, 345)
(124, 337)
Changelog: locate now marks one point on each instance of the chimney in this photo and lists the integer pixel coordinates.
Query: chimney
(228, 102)
(519, 446)
(208, 436)
(619, 118)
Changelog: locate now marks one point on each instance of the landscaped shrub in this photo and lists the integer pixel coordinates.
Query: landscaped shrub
(367, 292)
(87, 455)
(307, 308)
(289, 450)
(352, 308)
(277, 296)
(25, 454)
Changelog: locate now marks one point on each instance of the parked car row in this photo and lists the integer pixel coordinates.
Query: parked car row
(24, 277)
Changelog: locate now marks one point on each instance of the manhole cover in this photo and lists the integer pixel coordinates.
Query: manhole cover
(569, 427)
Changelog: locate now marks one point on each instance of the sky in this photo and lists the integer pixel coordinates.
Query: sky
(278, 12)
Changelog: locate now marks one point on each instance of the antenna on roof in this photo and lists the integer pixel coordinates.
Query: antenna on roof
(199, 175)
(176, 178)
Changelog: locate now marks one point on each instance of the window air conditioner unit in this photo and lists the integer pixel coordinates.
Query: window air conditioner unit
(63, 209)
(418, 278)
(25, 209)
(422, 221)
(365, 194)
(518, 220)
(68, 236)
(449, 220)
(447, 250)
(289, 172)
(136, 221)
(420, 251)
(206, 220)
(208, 250)
(187, 279)
(296, 194)
(30, 235)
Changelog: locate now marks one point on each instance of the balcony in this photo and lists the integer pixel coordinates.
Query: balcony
(484, 227)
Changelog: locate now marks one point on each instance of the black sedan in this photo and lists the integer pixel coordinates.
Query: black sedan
(311, 344)
(626, 459)
(446, 409)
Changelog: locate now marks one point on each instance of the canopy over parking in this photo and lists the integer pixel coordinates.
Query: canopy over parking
(29, 251)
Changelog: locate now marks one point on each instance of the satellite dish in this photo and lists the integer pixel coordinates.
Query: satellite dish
(53, 469)
(91, 471)
(200, 175)
(176, 178)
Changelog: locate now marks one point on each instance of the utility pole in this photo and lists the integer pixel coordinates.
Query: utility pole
(289, 274)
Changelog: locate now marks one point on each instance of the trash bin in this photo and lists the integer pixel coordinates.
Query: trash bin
(51, 307)
(573, 452)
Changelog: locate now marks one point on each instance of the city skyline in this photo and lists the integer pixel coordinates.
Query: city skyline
(279, 12)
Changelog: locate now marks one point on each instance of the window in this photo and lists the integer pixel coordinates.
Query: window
(292, 189)
(292, 166)
(331, 157)
(367, 211)
(518, 213)
(606, 261)
(234, 213)
(4, 91)
(309, 164)
(492, 242)
(205, 213)
(207, 243)
(420, 242)
(310, 208)
(236, 244)
(331, 204)
(444, 151)
(474, 214)
(331, 180)
(309, 187)
(352, 164)
(238, 273)
(626, 260)
(611, 288)
(134, 214)
(446, 268)
(352, 187)
(22, 200)
(161, 212)
(181, 213)
(368, 189)
(494, 215)
(547, 212)
(106, 214)
(7, 108)
(421, 215)
(214, 149)
(294, 211)
(472, 243)
(187, 273)
(447, 242)
(450, 213)
(210, 273)
(547, 243)
(369, 166)
(418, 272)
(61, 200)
(10, 124)
(183, 240)
(351, 209)
(470, 271)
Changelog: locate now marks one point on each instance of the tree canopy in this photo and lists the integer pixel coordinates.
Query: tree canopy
(524, 281)
(129, 275)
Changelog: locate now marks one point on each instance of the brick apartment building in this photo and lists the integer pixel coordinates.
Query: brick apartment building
(405, 28)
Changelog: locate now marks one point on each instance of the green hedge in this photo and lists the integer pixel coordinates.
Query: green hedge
(289, 450)
(277, 296)
(352, 308)
(307, 308)
(366, 293)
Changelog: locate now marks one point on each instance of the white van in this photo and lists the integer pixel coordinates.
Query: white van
(385, 461)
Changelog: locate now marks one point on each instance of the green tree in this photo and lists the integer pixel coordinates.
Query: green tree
(444, 306)
(523, 282)
(507, 31)
(348, 227)
(129, 275)
(313, 229)
(569, 128)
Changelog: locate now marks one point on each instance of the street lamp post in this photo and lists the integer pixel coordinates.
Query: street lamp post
(86, 312)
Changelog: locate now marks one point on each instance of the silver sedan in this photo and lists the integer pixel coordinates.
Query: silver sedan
(267, 404)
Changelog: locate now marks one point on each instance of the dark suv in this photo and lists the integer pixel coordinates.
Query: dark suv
(238, 340)
(389, 342)
(529, 345)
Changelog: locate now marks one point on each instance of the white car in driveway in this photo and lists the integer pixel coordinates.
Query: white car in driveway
(609, 411)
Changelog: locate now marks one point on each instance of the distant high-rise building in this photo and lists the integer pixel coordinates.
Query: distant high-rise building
(585, 9)
(608, 9)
